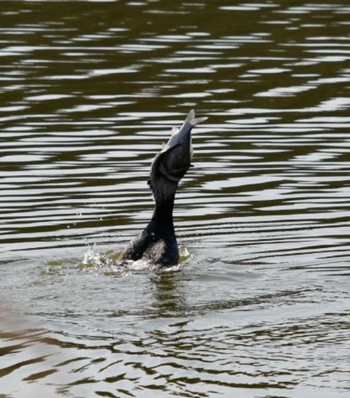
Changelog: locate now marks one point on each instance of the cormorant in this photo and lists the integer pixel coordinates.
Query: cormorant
(157, 242)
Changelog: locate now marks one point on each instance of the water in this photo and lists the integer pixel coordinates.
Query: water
(259, 306)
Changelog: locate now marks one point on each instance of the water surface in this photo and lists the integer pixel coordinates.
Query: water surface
(259, 306)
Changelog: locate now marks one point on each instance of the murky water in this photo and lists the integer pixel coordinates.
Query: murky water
(260, 305)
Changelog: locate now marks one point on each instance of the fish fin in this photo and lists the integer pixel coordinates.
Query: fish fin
(191, 118)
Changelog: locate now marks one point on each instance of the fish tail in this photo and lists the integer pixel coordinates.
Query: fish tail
(191, 118)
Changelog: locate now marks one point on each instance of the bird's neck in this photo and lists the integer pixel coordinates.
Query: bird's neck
(162, 219)
(164, 208)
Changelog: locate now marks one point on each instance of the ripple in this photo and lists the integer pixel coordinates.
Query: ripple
(258, 306)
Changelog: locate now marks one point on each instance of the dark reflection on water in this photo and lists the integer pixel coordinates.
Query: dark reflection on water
(259, 306)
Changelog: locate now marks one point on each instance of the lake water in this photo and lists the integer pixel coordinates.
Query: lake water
(260, 304)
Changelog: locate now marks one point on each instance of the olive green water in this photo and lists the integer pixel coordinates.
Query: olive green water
(260, 305)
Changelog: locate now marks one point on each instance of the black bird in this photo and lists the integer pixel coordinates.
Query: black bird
(157, 242)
